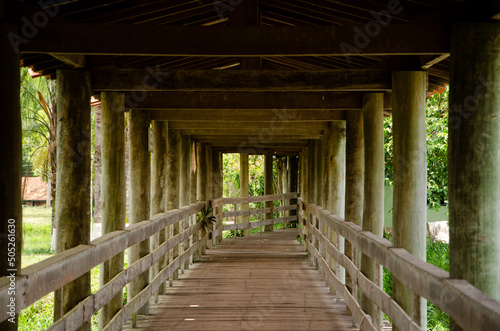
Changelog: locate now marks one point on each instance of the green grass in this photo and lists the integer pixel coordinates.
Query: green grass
(36, 247)
(438, 254)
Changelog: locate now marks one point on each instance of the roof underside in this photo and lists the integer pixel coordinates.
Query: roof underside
(219, 15)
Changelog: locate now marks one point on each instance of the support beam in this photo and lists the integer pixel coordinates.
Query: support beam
(268, 187)
(262, 115)
(73, 180)
(244, 189)
(137, 80)
(301, 133)
(355, 181)
(474, 156)
(201, 172)
(293, 179)
(185, 186)
(260, 150)
(234, 100)
(410, 179)
(173, 188)
(373, 212)
(140, 194)
(159, 188)
(113, 189)
(11, 168)
(275, 128)
(248, 41)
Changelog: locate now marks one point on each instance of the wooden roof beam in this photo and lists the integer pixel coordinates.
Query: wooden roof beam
(214, 124)
(273, 116)
(250, 100)
(142, 40)
(153, 79)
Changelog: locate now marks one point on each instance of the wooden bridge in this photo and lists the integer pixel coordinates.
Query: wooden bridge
(263, 281)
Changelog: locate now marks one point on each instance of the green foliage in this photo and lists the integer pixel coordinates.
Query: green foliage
(231, 174)
(206, 219)
(438, 254)
(437, 147)
(36, 97)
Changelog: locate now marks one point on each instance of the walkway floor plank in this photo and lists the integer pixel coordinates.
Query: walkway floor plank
(263, 282)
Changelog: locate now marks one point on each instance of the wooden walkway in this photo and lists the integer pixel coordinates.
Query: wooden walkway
(263, 282)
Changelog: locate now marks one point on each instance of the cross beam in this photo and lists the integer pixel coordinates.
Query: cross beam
(251, 100)
(154, 40)
(158, 79)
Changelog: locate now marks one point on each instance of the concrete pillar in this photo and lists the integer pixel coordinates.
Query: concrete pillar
(113, 188)
(244, 190)
(140, 193)
(173, 187)
(355, 181)
(474, 155)
(73, 179)
(268, 187)
(11, 170)
(158, 188)
(410, 178)
(373, 212)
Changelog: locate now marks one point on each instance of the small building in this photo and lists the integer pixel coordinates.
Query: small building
(34, 191)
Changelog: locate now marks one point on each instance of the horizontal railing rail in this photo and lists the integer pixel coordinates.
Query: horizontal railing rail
(45, 277)
(217, 204)
(470, 308)
(36, 281)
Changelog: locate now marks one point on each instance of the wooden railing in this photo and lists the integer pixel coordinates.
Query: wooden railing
(470, 308)
(38, 280)
(286, 205)
(45, 277)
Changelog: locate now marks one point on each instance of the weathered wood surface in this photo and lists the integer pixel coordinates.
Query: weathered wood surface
(142, 40)
(466, 305)
(262, 282)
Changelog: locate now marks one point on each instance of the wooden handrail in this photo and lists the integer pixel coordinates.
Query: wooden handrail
(44, 277)
(466, 305)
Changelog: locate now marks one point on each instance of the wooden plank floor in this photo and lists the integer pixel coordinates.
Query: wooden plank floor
(263, 282)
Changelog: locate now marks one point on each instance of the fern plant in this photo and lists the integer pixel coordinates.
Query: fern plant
(206, 219)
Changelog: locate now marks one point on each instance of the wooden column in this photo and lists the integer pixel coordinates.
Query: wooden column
(355, 181)
(318, 172)
(268, 187)
(474, 155)
(173, 187)
(113, 190)
(140, 194)
(185, 186)
(201, 172)
(193, 192)
(209, 179)
(410, 178)
(293, 169)
(201, 181)
(217, 181)
(244, 190)
(158, 188)
(11, 168)
(373, 212)
(73, 179)
(335, 169)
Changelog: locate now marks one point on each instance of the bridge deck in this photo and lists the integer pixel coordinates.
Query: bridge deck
(263, 282)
